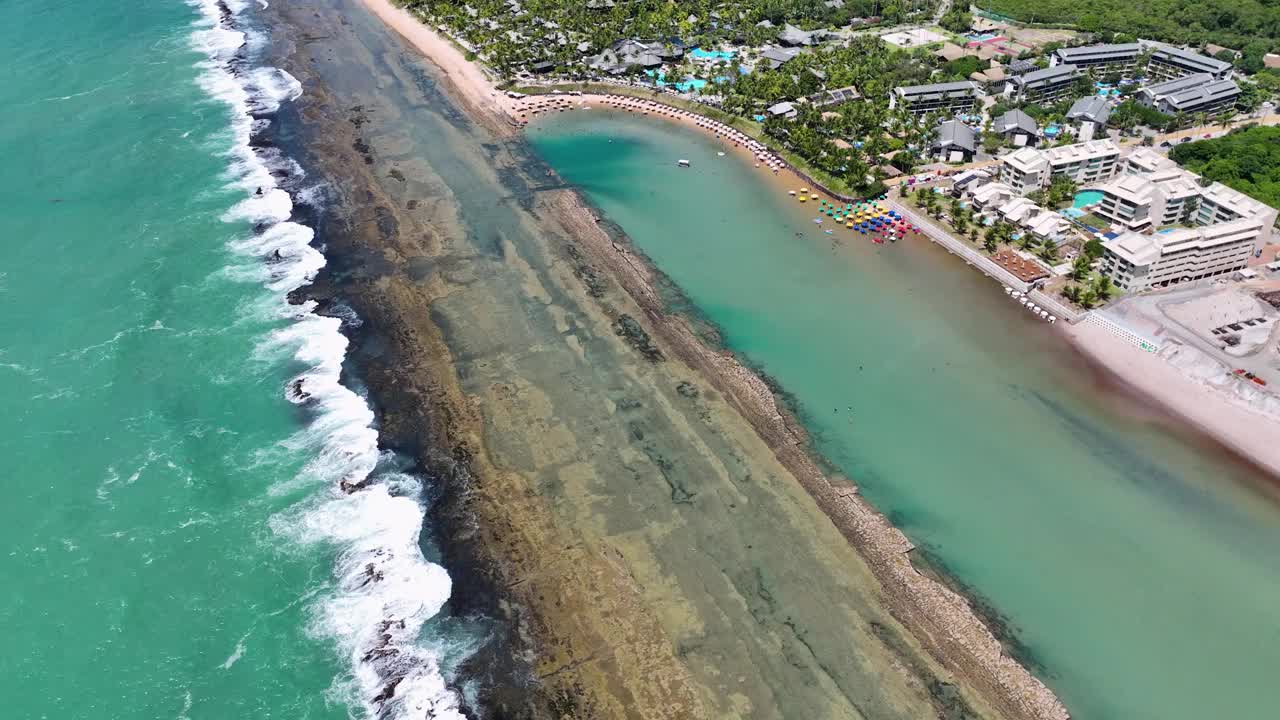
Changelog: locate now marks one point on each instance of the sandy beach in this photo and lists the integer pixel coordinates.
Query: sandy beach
(1245, 431)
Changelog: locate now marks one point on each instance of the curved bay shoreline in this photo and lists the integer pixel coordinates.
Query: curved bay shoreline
(587, 633)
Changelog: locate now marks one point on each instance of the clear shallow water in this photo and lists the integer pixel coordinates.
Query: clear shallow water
(1135, 566)
(175, 546)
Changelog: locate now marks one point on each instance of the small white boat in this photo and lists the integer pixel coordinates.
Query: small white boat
(720, 154)
(682, 163)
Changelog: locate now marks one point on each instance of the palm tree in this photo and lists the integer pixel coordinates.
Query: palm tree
(1227, 116)
(1102, 288)
(1072, 293)
(989, 243)
(1027, 241)
(1079, 269)
(1048, 253)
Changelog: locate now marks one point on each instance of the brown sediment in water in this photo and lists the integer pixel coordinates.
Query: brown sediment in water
(661, 540)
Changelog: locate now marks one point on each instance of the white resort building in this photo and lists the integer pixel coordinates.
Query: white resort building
(1029, 169)
(1025, 170)
(1201, 230)
(1085, 162)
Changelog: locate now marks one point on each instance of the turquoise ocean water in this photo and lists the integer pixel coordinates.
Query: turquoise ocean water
(175, 545)
(1135, 565)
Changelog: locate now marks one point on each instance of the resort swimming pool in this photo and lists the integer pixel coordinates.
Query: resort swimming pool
(701, 54)
(1086, 198)
(981, 37)
(683, 86)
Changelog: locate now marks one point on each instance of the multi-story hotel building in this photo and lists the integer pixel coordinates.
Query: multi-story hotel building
(1043, 86)
(1099, 59)
(1024, 170)
(1136, 262)
(1199, 93)
(951, 97)
(1029, 169)
(1086, 162)
(1170, 63)
(1201, 230)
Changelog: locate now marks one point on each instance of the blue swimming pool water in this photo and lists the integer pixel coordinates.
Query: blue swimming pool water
(1086, 197)
(1052, 130)
(683, 86)
(981, 37)
(712, 54)
(1073, 212)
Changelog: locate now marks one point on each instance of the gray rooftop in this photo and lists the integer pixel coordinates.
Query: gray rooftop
(1098, 52)
(1021, 67)
(1048, 76)
(792, 35)
(939, 90)
(1095, 109)
(955, 134)
(778, 55)
(1178, 56)
(1016, 120)
(1198, 96)
(1169, 87)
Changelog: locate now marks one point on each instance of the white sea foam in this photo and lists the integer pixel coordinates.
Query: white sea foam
(385, 589)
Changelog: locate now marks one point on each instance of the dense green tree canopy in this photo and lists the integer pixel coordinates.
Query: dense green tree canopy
(1233, 23)
(1247, 160)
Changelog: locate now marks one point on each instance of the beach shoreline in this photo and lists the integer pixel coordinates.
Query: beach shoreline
(1176, 395)
(940, 619)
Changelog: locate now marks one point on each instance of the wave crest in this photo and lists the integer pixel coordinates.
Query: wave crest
(385, 590)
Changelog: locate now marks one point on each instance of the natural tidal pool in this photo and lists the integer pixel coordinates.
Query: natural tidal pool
(1132, 562)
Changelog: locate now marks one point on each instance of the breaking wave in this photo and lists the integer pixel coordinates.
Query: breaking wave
(384, 589)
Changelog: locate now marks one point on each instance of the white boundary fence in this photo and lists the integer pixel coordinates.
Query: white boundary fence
(1123, 333)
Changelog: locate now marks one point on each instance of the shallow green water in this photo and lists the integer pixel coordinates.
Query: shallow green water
(1135, 567)
(165, 512)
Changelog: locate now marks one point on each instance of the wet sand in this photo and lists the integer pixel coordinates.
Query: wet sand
(659, 539)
